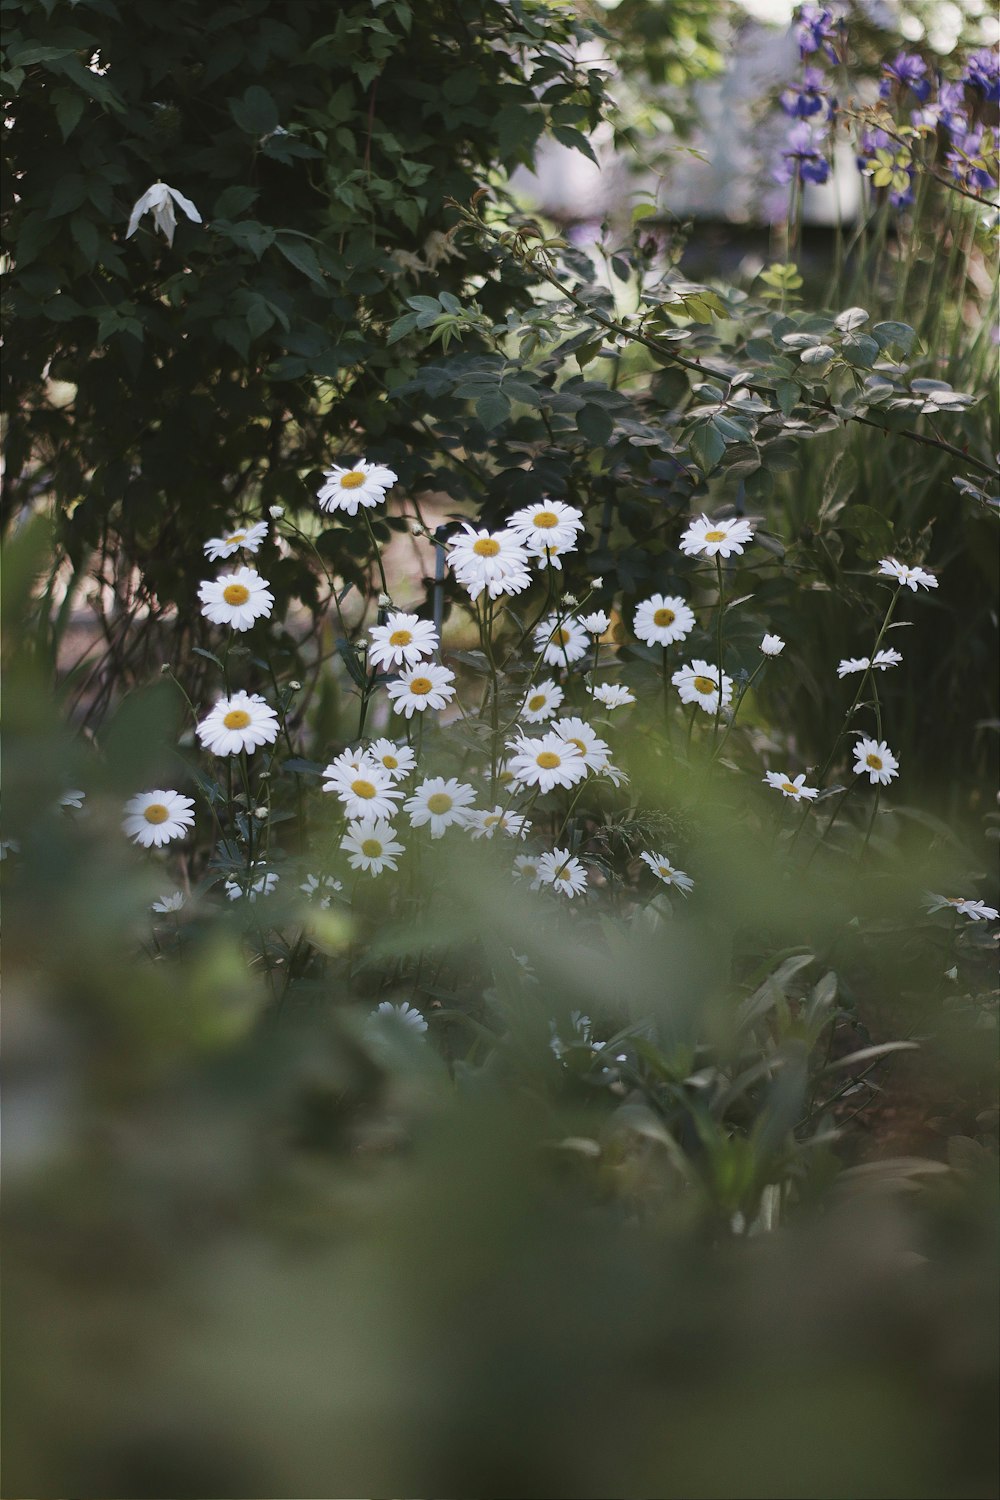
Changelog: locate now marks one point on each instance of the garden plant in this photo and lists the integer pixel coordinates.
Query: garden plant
(501, 746)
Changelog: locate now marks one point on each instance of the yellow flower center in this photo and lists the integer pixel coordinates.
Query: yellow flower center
(505, 776)
(579, 745)
(362, 788)
(390, 762)
(400, 638)
(156, 813)
(236, 718)
(548, 760)
(236, 593)
(705, 685)
(439, 802)
(664, 617)
(790, 787)
(875, 761)
(715, 536)
(536, 701)
(546, 519)
(559, 637)
(352, 480)
(665, 871)
(420, 686)
(237, 536)
(372, 848)
(486, 547)
(492, 819)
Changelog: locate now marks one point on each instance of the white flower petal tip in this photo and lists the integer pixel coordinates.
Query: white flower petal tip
(159, 200)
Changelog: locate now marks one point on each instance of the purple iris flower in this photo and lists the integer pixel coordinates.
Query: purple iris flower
(973, 159)
(808, 97)
(813, 30)
(909, 70)
(983, 72)
(802, 156)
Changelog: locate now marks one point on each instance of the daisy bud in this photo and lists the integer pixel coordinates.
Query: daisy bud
(165, 667)
(597, 583)
(384, 602)
(296, 687)
(570, 600)
(276, 512)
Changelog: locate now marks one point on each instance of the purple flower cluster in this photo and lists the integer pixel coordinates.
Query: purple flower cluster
(809, 97)
(906, 71)
(973, 158)
(802, 155)
(982, 72)
(814, 30)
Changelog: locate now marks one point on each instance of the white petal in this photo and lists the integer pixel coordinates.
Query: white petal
(185, 204)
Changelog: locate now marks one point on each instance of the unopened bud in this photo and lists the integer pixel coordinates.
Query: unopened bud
(260, 812)
(384, 602)
(165, 667)
(296, 687)
(597, 583)
(276, 512)
(571, 600)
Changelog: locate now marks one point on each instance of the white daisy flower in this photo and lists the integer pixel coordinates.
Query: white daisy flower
(541, 702)
(236, 599)
(174, 902)
(260, 885)
(155, 818)
(977, 910)
(159, 201)
(526, 868)
(367, 791)
(247, 537)
(547, 762)
(699, 683)
(797, 789)
(874, 759)
(398, 760)
(596, 623)
(241, 722)
(547, 529)
(371, 844)
(440, 803)
(421, 687)
(595, 751)
(772, 645)
(561, 641)
(664, 870)
(567, 875)
(612, 694)
(881, 661)
(402, 641)
(662, 619)
(904, 575)
(349, 760)
(325, 886)
(346, 488)
(614, 774)
(496, 561)
(73, 798)
(486, 825)
(405, 1015)
(707, 538)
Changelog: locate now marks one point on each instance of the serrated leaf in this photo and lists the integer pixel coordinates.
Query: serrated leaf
(493, 409)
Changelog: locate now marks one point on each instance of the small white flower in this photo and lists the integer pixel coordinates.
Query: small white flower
(596, 623)
(236, 599)
(796, 789)
(421, 687)
(547, 529)
(904, 575)
(173, 902)
(260, 885)
(977, 910)
(664, 870)
(406, 1016)
(699, 683)
(596, 752)
(276, 512)
(614, 774)
(561, 641)
(159, 200)
(541, 702)
(567, 875)
(403, 640)
(488, 824)
(440, 803)
(154, 818)
(547, 762)
(322, 885)
(496, 561)
(363, 484)
(247, 537)
(612, 694)
(242, 722)
(772, 645)
(662, 619)
(596, 583)
(881, 661)
(367, 791)
(874, 759)
(371, 844)
(709, 538)
(398, 760)
(72, 799)
(526, 868)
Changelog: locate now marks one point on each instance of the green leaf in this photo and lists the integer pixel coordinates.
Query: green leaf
(69, 192)
(68, 105)
(493, 409)
(707, 446)
(899, 334)
(256, 112)
(302, 256)
(595, 423)
(85, 233)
